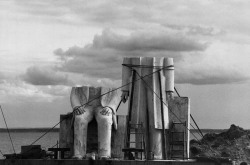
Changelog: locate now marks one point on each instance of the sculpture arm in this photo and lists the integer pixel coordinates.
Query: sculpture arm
(110, 102)
(124, 96)
(169, 76)
(75, 102)
(126, 76)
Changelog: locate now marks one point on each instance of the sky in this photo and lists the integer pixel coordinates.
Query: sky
(48, 46)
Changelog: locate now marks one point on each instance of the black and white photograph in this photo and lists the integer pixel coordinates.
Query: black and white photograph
(124, 82)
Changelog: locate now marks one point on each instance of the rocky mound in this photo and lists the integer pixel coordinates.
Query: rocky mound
(233, 144)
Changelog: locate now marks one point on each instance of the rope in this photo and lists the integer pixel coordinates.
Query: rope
(141, 77)
(146, 66)
(177, 92)
(163, 102)
(199, 131)
(175, 115)
(169, 108)
(46, 132)
(54, 145)
(195, 130)
(93, 100)
(90, 102)
(198, 128)
(118, 105)
(196, 125)
(7, 129)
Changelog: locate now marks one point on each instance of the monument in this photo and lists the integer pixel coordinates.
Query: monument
(153, 84)
(148, 86)
(87, 103)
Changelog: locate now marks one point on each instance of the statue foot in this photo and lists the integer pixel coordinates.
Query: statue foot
(105, 157)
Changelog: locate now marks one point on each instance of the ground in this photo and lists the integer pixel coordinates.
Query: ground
(233, 144)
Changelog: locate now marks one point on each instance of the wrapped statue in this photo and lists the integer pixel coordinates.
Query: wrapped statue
(88, 103)
(153, 84)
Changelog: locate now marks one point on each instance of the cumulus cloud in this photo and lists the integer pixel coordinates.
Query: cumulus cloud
(88, 61)
(196, 63)
(145, 41)
(103, 57)
(44, 76)
(18, 91)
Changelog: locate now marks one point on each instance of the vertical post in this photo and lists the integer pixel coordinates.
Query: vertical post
(163, 121)
(130, 106)
(149, 152)
(132, 94)
(8, 130)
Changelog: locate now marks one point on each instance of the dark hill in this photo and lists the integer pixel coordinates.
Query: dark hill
(233, 144)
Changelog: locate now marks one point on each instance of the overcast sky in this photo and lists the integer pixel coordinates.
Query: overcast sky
(47, 46)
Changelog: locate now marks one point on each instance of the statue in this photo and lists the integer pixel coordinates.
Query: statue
(154, 78)
(87, 103)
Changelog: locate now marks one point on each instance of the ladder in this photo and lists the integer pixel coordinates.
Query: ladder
(134, 131)
(178, 148)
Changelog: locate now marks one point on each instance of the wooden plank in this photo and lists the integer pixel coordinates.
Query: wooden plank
(118, 137)
(66, 134)
(136, 100)
(180, 106)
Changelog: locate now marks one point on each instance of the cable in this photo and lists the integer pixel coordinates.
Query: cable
(167, 105)
(195, 130)
(177, 92)
(163, 101)
(174, 113)
(93, 100)
(47, 132)
(54, 145)
(197, 126)
(146, 66)
(118, 105)
(8, 130)
(200, 133)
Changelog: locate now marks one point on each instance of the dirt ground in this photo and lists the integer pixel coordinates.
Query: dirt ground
(233, 144)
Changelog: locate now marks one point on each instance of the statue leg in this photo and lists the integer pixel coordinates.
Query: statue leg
(80, 132)
(104, 120)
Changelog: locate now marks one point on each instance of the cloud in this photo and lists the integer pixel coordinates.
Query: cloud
(14, 91)
(44, 76)
(136, 15)
(56, 91)
(91, 62)
(221, 63)
(209, 76)
(145, 41)
(80, 12)
(103, 57)
(196, 63)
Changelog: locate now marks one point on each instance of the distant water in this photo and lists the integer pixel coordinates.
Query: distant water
(26, 138)
(195, 136)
